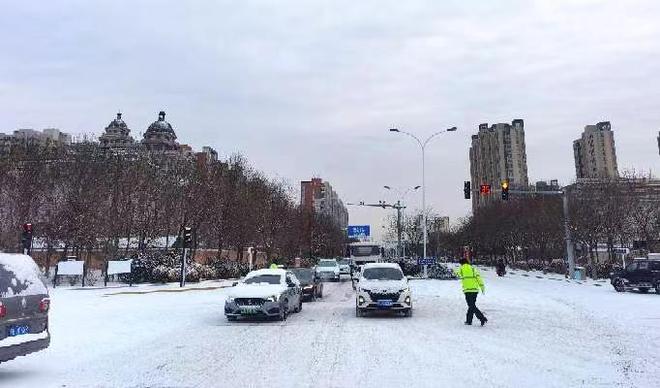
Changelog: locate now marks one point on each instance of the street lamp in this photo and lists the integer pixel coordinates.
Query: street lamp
(399, 208)
(422, 145)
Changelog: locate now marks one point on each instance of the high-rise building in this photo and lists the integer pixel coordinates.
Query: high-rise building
(497, 154)
(595, 152)
(317, 196)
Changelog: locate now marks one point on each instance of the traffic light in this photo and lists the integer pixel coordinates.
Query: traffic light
(26, 237)
(505, 190)
(484, 189)
(466, 189)
(187, 237)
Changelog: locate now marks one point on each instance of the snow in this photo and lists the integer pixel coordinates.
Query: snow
(19, 339)
(25, 279)
(542, 331)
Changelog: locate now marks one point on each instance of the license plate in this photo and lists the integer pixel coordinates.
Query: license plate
(248, 310)
(15, 330)
(385, 303)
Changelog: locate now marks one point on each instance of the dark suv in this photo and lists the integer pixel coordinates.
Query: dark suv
(640, 274)
(24, 307)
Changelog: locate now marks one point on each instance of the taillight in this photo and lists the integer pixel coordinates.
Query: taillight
(44, 305)
(3, 310)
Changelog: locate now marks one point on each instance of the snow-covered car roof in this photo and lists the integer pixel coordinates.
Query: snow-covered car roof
(266, 271)
(381, 265)
(19, 275)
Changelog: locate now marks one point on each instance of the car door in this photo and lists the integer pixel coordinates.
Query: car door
(631, 273)
(291, 291)
(643, 272)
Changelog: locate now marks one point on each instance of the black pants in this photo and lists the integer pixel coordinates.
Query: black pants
(471, 299)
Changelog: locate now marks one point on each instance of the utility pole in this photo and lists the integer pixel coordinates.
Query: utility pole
(422, 145)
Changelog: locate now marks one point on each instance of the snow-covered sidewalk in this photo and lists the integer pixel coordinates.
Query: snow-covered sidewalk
(541, 332)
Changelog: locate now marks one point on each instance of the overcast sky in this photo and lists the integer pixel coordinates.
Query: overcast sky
(310, 88)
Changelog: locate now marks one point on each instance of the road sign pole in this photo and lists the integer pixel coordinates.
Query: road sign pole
(183, 268)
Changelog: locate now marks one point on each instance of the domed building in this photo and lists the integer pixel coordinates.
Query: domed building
(117, 134)
(160, 135)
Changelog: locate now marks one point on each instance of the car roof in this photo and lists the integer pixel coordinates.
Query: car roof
(335, 260)
(381, 265)
(266, 271)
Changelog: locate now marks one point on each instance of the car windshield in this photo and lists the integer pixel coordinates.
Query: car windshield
(327, 263)
(344, 262)
(304, 275)
(382, 274)
(267, 278)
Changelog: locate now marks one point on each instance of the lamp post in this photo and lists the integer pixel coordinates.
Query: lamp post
(422, 145)
(399, 209)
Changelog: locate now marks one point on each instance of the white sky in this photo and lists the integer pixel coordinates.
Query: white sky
(309, 88)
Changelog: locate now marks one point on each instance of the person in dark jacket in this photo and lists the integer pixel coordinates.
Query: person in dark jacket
(472, 283)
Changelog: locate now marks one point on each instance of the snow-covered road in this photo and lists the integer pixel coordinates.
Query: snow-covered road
(545, 332)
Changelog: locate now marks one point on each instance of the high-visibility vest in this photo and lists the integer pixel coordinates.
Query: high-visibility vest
(470, 278)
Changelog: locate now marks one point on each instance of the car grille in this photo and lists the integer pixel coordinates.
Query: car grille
(375, 296)
(249, 301)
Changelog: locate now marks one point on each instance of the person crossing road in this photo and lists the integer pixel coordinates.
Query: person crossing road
(472, 283)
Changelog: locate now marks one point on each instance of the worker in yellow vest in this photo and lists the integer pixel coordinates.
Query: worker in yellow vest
(472, 283)
(273, 265)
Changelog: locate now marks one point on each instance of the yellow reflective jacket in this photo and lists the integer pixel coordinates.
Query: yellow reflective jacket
(470, 278)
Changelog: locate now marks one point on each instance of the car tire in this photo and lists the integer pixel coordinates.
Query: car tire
(358, 312)
(321, 293)
(618, 285)
(284, 311)
(657, 287)
(643, 290)
(300, 306)
(408, 313)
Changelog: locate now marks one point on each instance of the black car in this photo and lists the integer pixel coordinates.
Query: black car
(311, 284)
(24, 306)
(640, 274)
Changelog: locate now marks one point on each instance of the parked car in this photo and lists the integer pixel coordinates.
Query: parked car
(24, 306)
(382, 286)
(642, 274)
(269, 293)
(311, 284)
(344, 266)
(328, 269)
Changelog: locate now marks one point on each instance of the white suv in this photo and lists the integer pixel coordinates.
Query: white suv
(328, 269)
(382, 286)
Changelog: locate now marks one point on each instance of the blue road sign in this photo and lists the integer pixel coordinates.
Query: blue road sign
(356, 231)
(427, 261)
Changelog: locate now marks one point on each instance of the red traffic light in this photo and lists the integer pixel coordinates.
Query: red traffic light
(484, 189)
(27, 228)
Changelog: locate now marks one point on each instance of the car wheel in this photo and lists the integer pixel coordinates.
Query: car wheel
(657, 287)
(300, 306)
(284, 311)
(321, 293)
(643, 290)
(618, 285)
(408, 312)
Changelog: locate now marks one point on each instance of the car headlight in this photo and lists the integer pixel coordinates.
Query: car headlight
(360, 300)
(272, 298)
